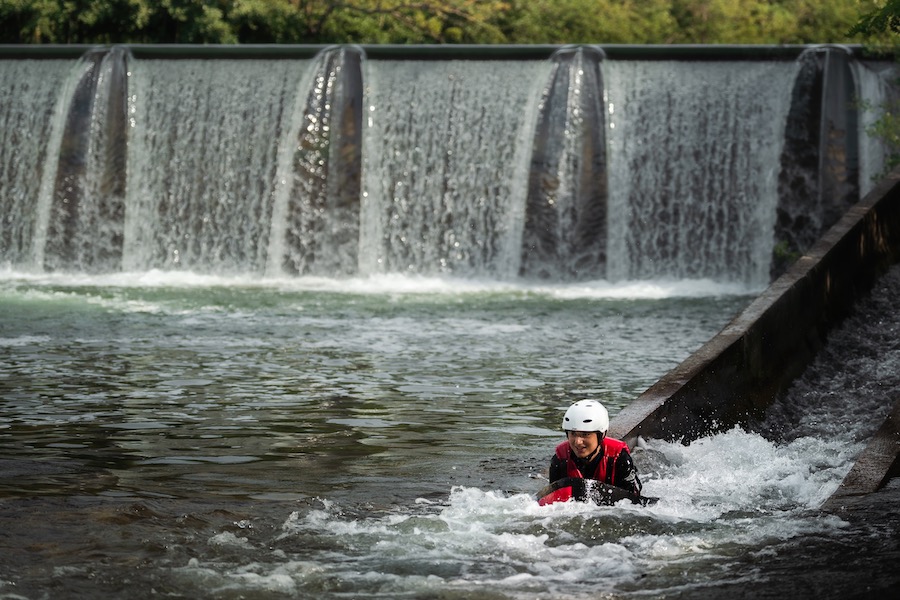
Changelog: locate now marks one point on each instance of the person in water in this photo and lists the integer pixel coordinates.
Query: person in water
(588, 453)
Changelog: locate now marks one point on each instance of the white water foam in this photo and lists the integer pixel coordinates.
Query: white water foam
(390, 284)
(722, 497)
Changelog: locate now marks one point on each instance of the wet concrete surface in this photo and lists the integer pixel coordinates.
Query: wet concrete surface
(860, 560)
(861, 563)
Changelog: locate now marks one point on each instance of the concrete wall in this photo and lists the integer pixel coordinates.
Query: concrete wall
(875, 466)
(441, 51)
(754, 359)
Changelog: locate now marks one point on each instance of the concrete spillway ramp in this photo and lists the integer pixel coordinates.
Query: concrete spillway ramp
(739, 373)
(878, 463)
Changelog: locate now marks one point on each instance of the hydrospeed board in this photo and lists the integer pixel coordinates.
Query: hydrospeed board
(588, 490)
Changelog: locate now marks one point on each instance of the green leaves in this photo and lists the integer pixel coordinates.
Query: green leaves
(879, 20)
(448, 21)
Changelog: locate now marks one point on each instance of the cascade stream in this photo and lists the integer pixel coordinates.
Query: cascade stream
(577, 167)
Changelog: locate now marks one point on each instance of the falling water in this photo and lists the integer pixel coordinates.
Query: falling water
(446, 149)
(87, 201)
(693, 163)
(565, 225)
(251, 166)
(876, 83)
(32, 97)
(202, 162)
(315, 220)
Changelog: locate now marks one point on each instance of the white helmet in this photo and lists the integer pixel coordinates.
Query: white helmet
(586, 415)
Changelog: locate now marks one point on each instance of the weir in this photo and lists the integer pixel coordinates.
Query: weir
(318, 183)
(819, 178)
(574, 163)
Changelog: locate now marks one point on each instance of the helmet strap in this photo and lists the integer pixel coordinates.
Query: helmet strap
(596, 450)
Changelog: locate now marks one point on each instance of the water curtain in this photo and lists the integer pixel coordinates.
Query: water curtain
(577, 166)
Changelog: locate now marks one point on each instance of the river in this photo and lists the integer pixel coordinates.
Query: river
(180, 435)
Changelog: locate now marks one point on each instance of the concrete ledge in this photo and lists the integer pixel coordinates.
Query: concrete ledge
(753, 360)
(701, 52)
(878, 462)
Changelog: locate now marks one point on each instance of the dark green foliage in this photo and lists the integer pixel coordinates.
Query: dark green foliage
(446, 21)
(882, 20)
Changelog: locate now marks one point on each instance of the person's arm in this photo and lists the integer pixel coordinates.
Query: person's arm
(626, 473)
(557, 469)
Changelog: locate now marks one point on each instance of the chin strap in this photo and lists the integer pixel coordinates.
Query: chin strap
(582, 463)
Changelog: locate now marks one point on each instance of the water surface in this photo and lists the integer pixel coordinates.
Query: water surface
(214, 437)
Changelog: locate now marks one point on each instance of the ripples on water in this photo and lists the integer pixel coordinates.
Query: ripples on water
(228, 438)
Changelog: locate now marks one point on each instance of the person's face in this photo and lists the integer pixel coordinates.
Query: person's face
(583, 443)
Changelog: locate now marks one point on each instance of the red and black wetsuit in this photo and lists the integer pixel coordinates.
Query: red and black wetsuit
(612, 465)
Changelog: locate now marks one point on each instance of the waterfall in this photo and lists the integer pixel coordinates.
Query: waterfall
(32, 97)
(693, 165)
(572, 168)
(446, 147)
(203, 161)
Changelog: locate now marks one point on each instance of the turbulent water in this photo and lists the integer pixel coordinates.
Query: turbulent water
(174, 435)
